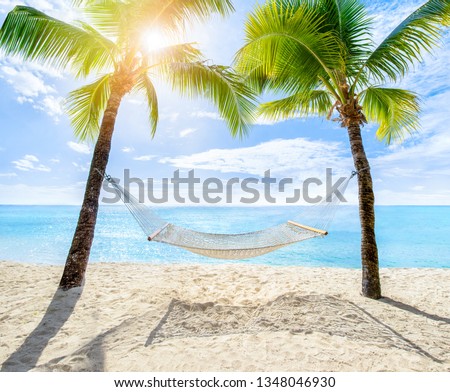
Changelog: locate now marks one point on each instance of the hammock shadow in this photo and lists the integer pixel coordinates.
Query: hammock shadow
(58, 312)
(296, 314)
(412, 309)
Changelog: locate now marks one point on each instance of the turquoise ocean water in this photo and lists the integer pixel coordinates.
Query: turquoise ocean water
(407, 236)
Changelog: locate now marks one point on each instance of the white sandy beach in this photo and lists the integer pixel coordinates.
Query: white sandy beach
(142, 317)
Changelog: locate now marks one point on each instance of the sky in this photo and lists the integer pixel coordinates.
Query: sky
(41, 162)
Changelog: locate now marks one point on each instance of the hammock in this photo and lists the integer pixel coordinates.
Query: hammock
(231, 246)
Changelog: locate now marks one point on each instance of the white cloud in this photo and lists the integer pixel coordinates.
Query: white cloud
(30, 163)
(55, 161)
(80, 148)
(145, 158)
(288, 157)
(42, 5)
(60, 9)
(35, 68)
(266, 121)
(171, 117)
(187, 132)
(29, 82)
(23, 164)
(23, 100)
(31, 158)
(205, 114)
(25, 83)
(127, 150)
(8, 175)
(52, 106)
(215, 116)
(81, 168)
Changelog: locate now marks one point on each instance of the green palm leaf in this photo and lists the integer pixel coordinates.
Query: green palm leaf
(395, 110)
(126, 20)
(169, 16)
(220, 85)
(316, 102)
(416, 35)
(348, 18)
(35, 36)
(172, 54)
(286, 49)
(86, 106)
(145, 85)
(107, 15)
(174, 13)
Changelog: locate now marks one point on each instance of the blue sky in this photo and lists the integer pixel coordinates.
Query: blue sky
(42, 163)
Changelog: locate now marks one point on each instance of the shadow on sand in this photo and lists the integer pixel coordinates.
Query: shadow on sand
(58, 312)
(414, 310)
(296, 314)
(290, 312)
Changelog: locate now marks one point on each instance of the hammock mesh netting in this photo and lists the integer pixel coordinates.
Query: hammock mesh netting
(232, 246)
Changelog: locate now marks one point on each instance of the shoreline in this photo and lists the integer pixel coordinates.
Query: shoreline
(223, 317)
(217, 264)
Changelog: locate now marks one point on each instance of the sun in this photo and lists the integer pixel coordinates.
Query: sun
(153, 40)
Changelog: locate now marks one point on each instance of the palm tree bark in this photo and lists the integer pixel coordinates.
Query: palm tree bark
(78, 257)
(371, 287)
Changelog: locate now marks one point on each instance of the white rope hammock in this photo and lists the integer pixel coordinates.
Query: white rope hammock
(231, 246)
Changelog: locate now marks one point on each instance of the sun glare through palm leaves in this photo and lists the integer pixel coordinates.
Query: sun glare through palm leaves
(154, 40)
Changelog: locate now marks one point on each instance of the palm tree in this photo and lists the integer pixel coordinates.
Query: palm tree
(113, 48)
(318, 56)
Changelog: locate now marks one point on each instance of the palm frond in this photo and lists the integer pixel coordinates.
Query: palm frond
(35, 36)
(79, 3)
(349, 19)
(316, 102)
(145, 85)
(406, 45)
(97, 59)
(395, 110)
(286, 49)
(106, 15)
(172, 54)
(86, 106)
(233, 99)
(172, 15)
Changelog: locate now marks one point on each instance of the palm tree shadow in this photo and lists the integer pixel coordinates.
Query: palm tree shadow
(412, 309)
(58, 312)
(161, 323)
(409, 342)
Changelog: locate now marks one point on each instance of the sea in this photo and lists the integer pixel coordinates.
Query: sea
(407, 236)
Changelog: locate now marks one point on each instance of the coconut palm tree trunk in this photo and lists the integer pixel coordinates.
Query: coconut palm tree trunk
(80, 249)
(369, 252)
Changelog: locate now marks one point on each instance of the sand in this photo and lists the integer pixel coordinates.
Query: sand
(143, 317)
